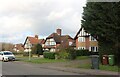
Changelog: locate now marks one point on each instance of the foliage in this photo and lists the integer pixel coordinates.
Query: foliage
(62, 54)
(26, 54)
(82, 53)
(102, 21)
(39, 60)
(49, 55)
(68, 53)
(37, 49)
(102, 67)
(18, 53)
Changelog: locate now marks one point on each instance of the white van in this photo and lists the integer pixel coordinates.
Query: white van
(6, 56)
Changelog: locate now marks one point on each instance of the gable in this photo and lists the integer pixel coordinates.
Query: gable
(81, 33)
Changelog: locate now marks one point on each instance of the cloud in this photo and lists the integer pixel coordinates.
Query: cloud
(20, 18)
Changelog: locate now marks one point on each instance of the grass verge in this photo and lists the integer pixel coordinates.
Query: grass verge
(39, 60)
(82, 57)
(101, 67)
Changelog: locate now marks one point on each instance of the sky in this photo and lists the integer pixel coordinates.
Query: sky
(22, 18)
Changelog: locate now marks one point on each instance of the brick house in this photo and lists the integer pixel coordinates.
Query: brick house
(18, 47)
(31, 41)
(85, 41)
(54, 41)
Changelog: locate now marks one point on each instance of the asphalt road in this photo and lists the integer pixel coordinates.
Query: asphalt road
(20, 68)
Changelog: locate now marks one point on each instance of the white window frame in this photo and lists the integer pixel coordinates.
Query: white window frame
(70, 43)
(81, 39)
(93, 48)
(81, 48)
(50, 42)
(92, 38)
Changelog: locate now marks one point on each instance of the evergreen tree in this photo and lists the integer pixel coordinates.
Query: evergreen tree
(37, 49)
(102, 21)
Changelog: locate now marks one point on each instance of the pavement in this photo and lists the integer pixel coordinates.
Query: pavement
(82, 71)
(62, 67)
(18, 67)
(78, 70)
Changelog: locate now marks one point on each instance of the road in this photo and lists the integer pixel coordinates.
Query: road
(21, 68)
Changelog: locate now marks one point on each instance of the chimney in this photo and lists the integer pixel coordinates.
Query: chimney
(58, 31)
(36, 36)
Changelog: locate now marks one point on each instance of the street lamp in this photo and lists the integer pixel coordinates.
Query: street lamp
(29, 50)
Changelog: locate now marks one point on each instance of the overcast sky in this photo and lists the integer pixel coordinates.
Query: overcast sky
(22, 18)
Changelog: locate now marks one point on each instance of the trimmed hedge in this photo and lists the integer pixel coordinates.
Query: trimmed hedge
(85, 53)
(26, 54)
(18, 53)
(49, 55)
(82, 53)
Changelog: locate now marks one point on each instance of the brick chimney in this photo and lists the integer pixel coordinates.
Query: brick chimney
(36, 36)
(59, 31)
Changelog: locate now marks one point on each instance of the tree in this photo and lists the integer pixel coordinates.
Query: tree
(37, 49)
(102, 21)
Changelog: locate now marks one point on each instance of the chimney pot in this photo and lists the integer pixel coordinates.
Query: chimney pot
(59, 31)
(36, 36)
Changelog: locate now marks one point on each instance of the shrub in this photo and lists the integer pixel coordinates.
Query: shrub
(67, 53)
(37, 49)
(62, 54)
(18, 53)
(82, 53)
(49, 55)
(72, 53)
(26, 54)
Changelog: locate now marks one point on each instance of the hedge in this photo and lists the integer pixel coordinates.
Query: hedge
(49, 55)
(82, 53)
(85, 53)
(18, 53)
(26, 54)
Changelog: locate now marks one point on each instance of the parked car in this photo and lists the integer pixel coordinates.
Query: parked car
(7, 56)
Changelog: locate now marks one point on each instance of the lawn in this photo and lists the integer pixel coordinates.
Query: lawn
(101, 67)
(85, 66)
(39, 60)
(82, 57)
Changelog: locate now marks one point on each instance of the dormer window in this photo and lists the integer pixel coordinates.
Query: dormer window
(50, 42)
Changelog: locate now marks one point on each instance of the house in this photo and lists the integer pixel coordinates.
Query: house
(56, 40)
(31, 41)
(18, 47)
(85, 41)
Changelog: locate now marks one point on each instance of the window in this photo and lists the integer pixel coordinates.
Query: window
(81, 48)
(94, 49)
(50, 42)
(92, 38)
(70, 43)
(81, 39)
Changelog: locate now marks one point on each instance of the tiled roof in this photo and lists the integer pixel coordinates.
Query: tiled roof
(55, 36)
(63, 40)
(33, 40)
(19, 46)
(41, 41)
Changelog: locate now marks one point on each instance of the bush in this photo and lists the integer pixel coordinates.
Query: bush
(72, 53)
(62, 54)
(37, 49)
(18, 53)
(68, 53)
(26, 54)
(49, 55)
(82, 53)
